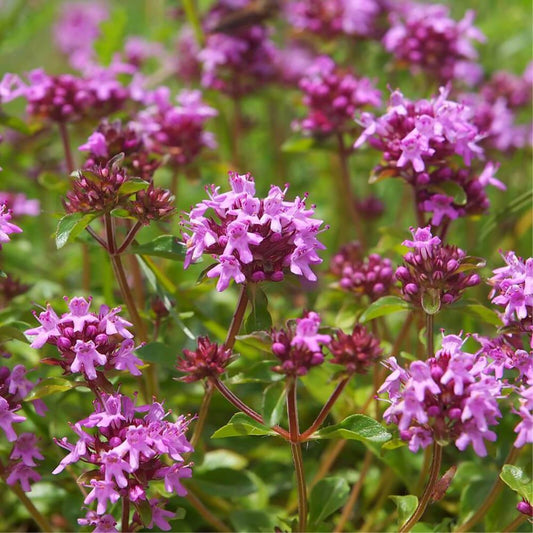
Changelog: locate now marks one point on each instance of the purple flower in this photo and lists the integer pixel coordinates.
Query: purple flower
(307, 335)
(25, 448)
(423, 241)
(6, 227)
(448, 397)
(11, 87)
(253, 239)
(24, 475)
(8, 418)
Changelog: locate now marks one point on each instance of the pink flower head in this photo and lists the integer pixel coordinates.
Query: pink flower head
(6, 227)
(423, 241)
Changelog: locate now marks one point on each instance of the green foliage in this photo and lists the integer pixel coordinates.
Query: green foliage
(327, 496)
(241, 425)
(355, 427)
(166, 246)
(383, 307)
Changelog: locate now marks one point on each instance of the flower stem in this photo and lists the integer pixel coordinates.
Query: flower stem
(205, 513)
(238, 316)
(241, 406)
(69, 160)
(491, 497)
(296, 451)
(429, 335)
(348, 193)
(325, 410)
(512, 526)
(125, 514)
(41, 520)
(202, 415)
(356, 489)
(428, 491)
(129, 237)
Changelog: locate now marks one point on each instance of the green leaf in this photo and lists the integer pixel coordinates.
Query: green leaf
(431, 301)
(515, 478)
(406, 506)
(222, 459)
(472, 497)
(252, 520)
(471, 262)
(355, 427)
(394, 444)
(327, 496)
(273, 403)
(12, 332)
(295, 145)
(166, 246)
(484, 313)
(259, 318)
(382, 307)
(14, 123)
(241, 425)
(133, 185)
(225, 481)
(52, 182)
(144, 509)
(120, 212)
(157, 352)
(70, 226)
(259, 340)
(49, 386)
(111, 36)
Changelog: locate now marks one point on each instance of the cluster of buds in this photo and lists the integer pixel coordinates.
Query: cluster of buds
(356, 352)
(429, 41)
(88, 343)
(14, 388)
(113, 138)
(176, 131)
(299, 346)
(6, 227)
(10, 288)
(331, 18)
(129, 446)
(208, 360)
(371, 276)
(101, 189)
(419, 141)
(254, 239)
(512, 287)
(239, 61)
(333, 97)
(447, 398)
(67, 98)
(432, 275)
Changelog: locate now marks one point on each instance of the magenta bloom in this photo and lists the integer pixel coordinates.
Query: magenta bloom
(428, 40)
(87, 342)
(448, 397)
(128, 444)
(6, 227)
(253, 239)
(332, 97)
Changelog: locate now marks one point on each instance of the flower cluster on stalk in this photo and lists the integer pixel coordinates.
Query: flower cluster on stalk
(420, 141)
(129, 447)
(449, 397)
(427, 39)
(88, 343)
(299, 346)
(432, 273)
(333, 96)
(372, 276)
(14, 388)
(330, 18)
(253, 239)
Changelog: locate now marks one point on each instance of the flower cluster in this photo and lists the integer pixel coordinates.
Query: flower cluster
(67, 98)
(10, 288)
(431, 275)
(419, 141)
(254, 239)
(129, 446)
(239, 61)
(209, 359)
(512, 287)
(6, 227)
(176, 131)
(447, 398)
(100, 189)
(86, 341)
(331, 18)
(428, 40)
(14, 388)
(113, 138)
(77, 29)
(371, 276)
(18, 204)
(299, 346)
(333, 97)
(356, 352)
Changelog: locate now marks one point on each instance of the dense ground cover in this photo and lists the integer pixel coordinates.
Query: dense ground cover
(266, 266)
